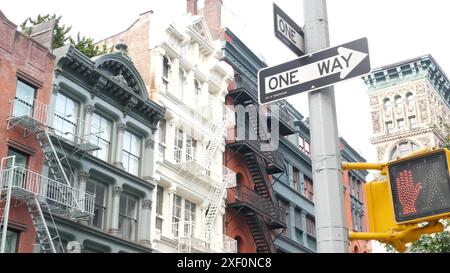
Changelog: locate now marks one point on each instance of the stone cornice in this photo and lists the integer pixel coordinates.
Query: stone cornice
(401, 135)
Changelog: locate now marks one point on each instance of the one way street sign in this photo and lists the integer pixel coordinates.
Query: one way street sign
(314, 71)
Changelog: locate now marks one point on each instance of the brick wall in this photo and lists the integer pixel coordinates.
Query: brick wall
(24, 58)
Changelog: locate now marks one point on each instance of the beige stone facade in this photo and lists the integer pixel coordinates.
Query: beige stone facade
(407, 101)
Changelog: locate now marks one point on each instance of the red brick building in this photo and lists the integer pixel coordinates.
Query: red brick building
(26, 69)
(355, 198)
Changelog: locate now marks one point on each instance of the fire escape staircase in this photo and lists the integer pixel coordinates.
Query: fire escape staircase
(258, 224)
(54, 196)
(215, 137)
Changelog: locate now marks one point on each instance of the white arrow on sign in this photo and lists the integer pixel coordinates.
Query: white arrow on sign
(346, 60)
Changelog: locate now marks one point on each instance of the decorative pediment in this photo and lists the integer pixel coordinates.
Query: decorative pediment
(121, 70)
(200, 27)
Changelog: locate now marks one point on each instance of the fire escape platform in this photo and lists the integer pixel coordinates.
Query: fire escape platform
(248, 200)
(253, 146)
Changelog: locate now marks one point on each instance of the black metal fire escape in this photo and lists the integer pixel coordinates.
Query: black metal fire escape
(257, 205)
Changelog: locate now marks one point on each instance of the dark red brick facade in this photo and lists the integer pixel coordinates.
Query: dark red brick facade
(25, 59)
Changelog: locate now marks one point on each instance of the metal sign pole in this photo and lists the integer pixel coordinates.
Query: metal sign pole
(331, 230)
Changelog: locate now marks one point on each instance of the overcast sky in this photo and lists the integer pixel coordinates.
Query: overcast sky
(396, 30)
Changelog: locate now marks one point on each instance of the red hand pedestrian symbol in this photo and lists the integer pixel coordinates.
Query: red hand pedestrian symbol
(407, 191)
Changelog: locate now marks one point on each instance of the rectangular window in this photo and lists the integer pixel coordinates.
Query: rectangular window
(12, 241)
(131, 153)
(99, 190)
(284, 205)
(128, 216)
(301, 143)
(24, 104)
(191, 148)
(101, 136)
(361, 222)
(307, 148)
(401, 124)
(295, 177)
(308, 189)
(189, 218)
(413, 122)
(66, 117)
(19, 175)
(298, 219)
(162, 138)
(159, 207)
(178, 147)
(176, 214)
(389, 127)
(311, 226)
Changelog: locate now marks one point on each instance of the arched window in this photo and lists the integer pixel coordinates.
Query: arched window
(410, 99)
(355, 249)
(402, 149)
(398, 101)
(387, 104)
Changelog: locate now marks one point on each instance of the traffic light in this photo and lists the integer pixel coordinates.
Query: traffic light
(417, 190)
(420, 187)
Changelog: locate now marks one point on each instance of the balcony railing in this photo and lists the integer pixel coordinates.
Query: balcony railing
(245, 196)
(187, 233)
(189, 162)
(33, 183)
(30, 113)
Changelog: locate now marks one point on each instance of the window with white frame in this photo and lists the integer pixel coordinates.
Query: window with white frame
(189, 218)
(159, 207)
(128, 212)
(178, 145)
(131, 152)
(66, 117)
(24, 103)
(184, 217)
(191, 148)
(101, 136)
(176, 214)
(100, 192)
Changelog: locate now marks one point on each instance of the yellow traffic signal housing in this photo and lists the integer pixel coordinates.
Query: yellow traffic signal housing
(417, 190)
(420, 187)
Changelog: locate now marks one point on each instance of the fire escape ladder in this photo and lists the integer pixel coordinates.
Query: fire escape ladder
(55, 162)
(260, 232)
(47, 242)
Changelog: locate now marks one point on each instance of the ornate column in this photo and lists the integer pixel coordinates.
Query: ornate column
(89, 110)
(82, 180)
(121, 127)
(149, 158)
(114, 228)
(145, 223)
(168, 224)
